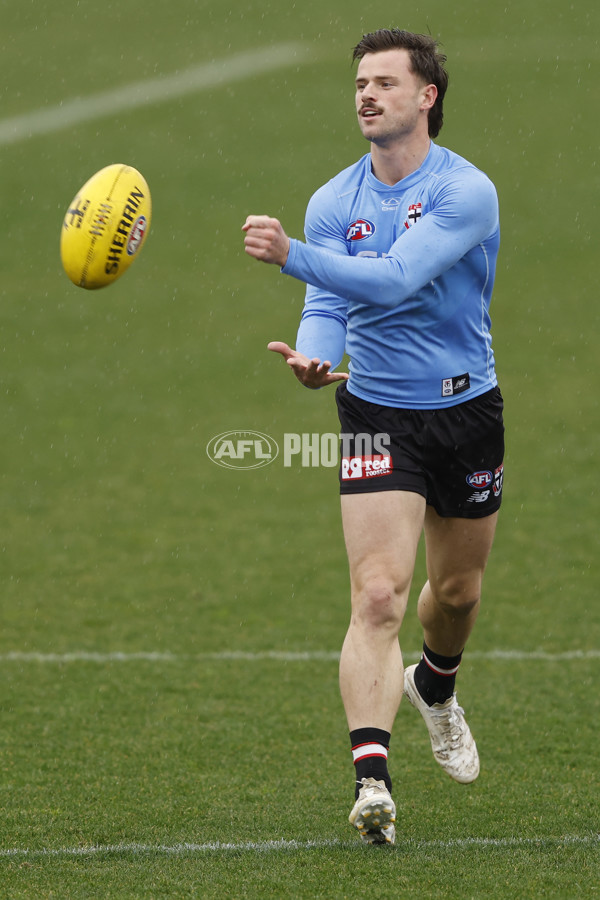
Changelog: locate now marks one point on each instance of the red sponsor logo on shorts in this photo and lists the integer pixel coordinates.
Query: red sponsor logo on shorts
(354, 467)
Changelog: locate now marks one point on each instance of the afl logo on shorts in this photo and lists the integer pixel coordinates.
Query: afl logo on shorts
(481, 479)
(359, 230)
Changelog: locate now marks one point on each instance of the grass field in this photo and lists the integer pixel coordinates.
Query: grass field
(170, 725)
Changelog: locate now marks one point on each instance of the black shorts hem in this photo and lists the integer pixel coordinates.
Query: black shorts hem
(467, 513)
(347, 490)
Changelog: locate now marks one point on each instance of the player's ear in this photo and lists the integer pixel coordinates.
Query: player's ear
(428, 96)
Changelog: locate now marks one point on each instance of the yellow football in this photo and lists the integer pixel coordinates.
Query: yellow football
(105, 226)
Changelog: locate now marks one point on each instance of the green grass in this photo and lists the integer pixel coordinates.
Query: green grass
(197, 774)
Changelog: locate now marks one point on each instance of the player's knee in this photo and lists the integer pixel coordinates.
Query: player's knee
(458, 595)
(380, 604)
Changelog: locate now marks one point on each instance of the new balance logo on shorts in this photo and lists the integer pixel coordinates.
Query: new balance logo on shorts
(354, 467)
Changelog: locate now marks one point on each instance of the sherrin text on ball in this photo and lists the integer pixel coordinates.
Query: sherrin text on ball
(105, 226)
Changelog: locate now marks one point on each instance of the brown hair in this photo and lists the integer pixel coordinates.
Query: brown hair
(427, 62)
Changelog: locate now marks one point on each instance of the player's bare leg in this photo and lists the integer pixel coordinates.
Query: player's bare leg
(382, 532)
(457, 553)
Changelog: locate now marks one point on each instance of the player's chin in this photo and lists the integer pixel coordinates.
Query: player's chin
(369, 131)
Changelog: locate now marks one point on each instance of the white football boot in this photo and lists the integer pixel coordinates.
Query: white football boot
(374, 813)
(451, 739)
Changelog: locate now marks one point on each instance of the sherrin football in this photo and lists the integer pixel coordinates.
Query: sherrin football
(105, 226)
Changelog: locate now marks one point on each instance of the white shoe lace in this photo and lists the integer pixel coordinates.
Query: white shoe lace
(449, 725)
(367, 789)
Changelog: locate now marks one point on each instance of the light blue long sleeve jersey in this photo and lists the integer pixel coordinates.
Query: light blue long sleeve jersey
(401, 278)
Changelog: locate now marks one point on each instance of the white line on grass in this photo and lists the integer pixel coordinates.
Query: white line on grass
(270, 846)
(275, 655)
(252, 62)
(154, 90)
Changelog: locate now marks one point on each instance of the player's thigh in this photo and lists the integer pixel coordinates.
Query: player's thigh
(457, 550)
(382, 531)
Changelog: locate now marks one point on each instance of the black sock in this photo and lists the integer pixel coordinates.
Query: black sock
(435, 676)
(369, 750)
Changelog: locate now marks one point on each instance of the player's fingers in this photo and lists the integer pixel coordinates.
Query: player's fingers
(258, 222)
(252, 222)
(314, 365)
(338, 376)
(280, 347)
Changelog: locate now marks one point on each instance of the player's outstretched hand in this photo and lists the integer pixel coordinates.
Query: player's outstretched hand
(266, 240)
(310, 372)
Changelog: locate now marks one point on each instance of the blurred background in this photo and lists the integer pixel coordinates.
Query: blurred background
(109, 398)
(117, 533)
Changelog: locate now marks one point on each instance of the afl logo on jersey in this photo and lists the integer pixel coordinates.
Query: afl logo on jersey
(359, 230)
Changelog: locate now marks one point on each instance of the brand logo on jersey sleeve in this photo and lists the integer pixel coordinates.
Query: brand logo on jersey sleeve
(359, 230)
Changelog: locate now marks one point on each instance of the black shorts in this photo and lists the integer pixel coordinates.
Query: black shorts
(453, 456)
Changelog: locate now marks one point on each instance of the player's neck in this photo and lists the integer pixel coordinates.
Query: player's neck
(391, 164)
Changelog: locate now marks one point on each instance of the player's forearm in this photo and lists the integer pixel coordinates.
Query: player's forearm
(381, 282)
(322, 336)
(417, 257)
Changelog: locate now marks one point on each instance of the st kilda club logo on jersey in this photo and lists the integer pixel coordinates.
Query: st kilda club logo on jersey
(359, 230)
(415, 211)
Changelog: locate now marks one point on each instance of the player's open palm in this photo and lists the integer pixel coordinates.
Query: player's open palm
(310, 372)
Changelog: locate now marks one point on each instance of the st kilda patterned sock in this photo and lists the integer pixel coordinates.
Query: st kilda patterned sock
(435, 676)
(370, 750)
